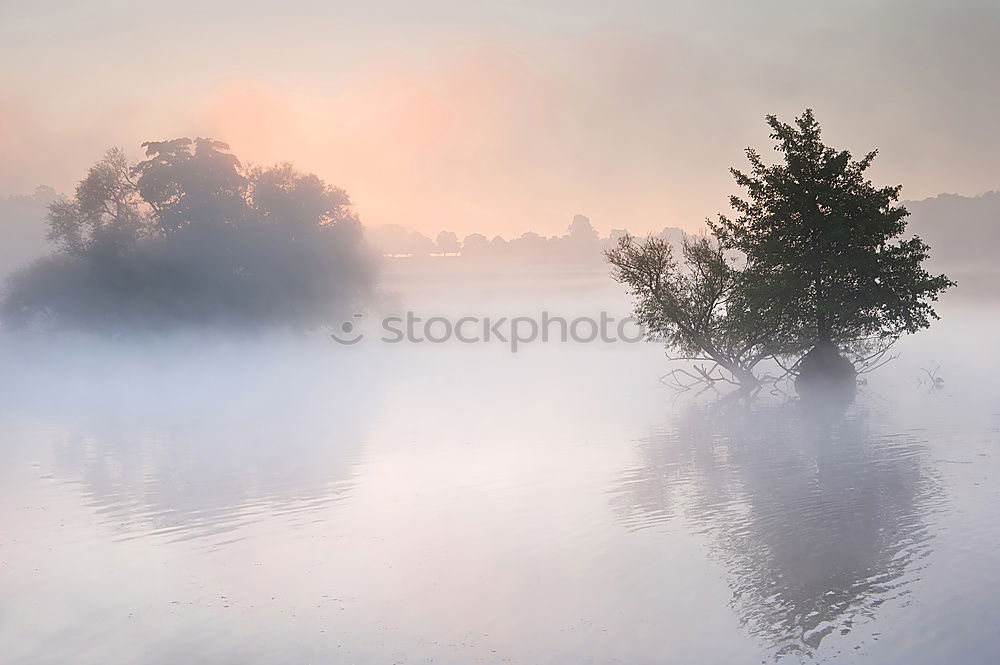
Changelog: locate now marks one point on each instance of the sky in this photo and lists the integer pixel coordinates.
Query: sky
(504, 117)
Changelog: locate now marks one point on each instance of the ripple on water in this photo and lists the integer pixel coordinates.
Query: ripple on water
(817, 523)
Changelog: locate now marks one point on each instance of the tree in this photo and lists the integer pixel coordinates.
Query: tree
(688, 306)
(282, 195)
(531, 245)
(475, 244)
(822, 268)
(581, 241)
(447, 243)
(581, 230)
(107, 212)
(189, 236)
(825, 263)
(202, 187)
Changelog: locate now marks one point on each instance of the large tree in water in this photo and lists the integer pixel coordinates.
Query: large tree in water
(819, 264)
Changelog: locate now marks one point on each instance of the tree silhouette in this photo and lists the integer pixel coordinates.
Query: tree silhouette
(447, 243)
(824, 262)
(831, 517)
(106, 213)
(812, 266)
(190, 236)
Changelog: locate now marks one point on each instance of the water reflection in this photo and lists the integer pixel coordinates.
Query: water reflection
(201, 452)
(205, 478)
(819, 522)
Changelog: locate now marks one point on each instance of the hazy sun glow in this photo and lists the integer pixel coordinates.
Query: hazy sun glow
(482, 119)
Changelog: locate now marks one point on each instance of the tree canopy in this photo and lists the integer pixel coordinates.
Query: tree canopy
(824, 258)
(189, 235)
(814, 257)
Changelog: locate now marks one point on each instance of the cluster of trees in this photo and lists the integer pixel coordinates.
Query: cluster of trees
(812, 271)
(190, 235)
(581, 243)
(969, 241)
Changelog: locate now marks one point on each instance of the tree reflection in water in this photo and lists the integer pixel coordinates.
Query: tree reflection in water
(819, 520)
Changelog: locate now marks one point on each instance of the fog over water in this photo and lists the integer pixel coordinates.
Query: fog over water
(279, 498)
(319, 335)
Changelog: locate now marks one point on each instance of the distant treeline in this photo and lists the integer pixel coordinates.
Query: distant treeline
(190, 236)
(580, 244)
(963, 230)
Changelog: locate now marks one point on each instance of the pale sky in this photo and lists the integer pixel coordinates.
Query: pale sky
(508, 116)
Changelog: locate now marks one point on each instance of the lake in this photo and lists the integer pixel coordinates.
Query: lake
(288, 499)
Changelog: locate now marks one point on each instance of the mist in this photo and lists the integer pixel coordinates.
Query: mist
(456, 500)
(476, 333)
(191, 237)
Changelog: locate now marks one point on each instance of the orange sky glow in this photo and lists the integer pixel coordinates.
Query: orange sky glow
(501, 125)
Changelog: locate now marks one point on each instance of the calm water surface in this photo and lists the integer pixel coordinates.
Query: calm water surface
(298, 502)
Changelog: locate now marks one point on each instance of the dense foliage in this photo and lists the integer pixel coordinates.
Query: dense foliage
(824, 259)
(814, 258)
(191, 236)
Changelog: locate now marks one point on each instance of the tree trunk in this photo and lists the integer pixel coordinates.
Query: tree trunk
(823, 334)
(826, 376)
